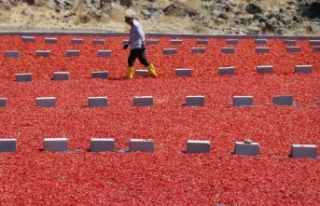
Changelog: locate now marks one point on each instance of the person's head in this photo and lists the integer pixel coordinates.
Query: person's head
(128, 19)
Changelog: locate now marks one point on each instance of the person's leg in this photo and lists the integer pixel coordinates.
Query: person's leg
(131, 59)
(143, 59)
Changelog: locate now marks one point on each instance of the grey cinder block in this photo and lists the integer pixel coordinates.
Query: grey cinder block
(72, 53)
(304, 151)
(264, 69)
(203, 41)
(100, 74)
(12, 54)
(55, 144)
(232, 41)
(97, 101)
(102, 144)
(8, 145)
(104, 53)
(51, 40)
(27, 38)
(141, 145)
(76, 41)
(169, 51)
(314, 42)
(283, 99)
(176, 41)
(142, 72)
(260, 41)
(293, 49)
(195, 100)
(61, 75)
(125, 41)
(262, 50)
(316, 49)
(228, 50)
(98, 42)
(45, 101)
(143, 101)
(198, 146)
(242, 100)
(152, 41)
(3, 102)
(303, 69)
(198, 50)
(226, 70)
(43, 53)
(24, 77)
(248, 149)
(183, 72)
(289, 42)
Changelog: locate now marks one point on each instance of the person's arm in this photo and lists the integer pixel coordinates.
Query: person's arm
(141, 33)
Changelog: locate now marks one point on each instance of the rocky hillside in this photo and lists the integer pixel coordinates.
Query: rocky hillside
(279, 17)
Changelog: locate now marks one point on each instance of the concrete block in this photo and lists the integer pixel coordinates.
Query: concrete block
(100, 75)
(195, 100)
(304, 151)
(293, 49)
(283, 99)
(303, 69)
(141, 145)
(27, 38)
(260, 41)
(232, 41)
(12, 54)
(8, 145)
(264, 69)
(262, 50)
(3, 102)
(183, 72)
(226, 70)
(50, 40)
(316, 49)
(104, 53)
(198, 50)
(72, 53)
(97, 101)
(228, 50)
(198, 146)
(98, 42)
(169, 51)
(43, 53)
(248, 149)
(152, 41)
(242, 100)
(61, 75)
(125, 41)
(289, 42)
(203, 41)
(102, 145)
(55, 144)
(143, 101)
(142, 72)
(314, 42)
(176, 41)
(76, 41)
(24, 77)
(45, 101)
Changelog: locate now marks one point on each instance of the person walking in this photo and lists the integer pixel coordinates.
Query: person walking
(137, 46)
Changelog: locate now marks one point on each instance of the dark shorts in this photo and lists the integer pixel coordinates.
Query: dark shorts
(140, 54)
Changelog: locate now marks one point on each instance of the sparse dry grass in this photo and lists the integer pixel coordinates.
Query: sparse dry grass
(42, 16)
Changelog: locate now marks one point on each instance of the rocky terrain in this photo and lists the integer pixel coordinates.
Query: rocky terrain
(274, 17)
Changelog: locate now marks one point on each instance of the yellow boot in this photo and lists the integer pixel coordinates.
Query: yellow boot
(152, 70)
(130, 71)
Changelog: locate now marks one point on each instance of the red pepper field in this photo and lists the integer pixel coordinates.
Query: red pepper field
(169, 176)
